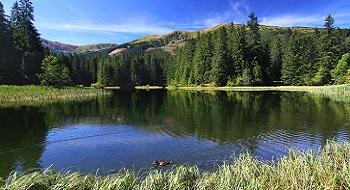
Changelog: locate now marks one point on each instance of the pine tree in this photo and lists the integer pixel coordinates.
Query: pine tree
(8, 61)
(257, 53)
(329, 23)
(253, 22)
(202, 60)
(299, 59)
(26, 38)
(219, 73)
(276, 54)
(236, 49)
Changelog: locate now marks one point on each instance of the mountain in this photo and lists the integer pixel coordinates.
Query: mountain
(167, 42)
(59, 47)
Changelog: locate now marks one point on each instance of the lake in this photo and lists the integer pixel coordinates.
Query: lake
(132, 129)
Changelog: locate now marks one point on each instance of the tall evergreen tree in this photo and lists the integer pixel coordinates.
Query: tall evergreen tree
(202, 60)
(8, 62)
(276, 54)
(329, 23)
(26, 38)
(219, 59)
(257, 56)
(236, 48)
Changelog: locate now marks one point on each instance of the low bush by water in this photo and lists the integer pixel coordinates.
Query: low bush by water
(330, 169)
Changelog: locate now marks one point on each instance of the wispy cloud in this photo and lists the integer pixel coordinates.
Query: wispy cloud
(342, 19)
(105, 28)
(236, 12)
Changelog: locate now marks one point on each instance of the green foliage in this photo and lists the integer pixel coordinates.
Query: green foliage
(54, 73)
(322, 76)
(276, 54)
(9, 64)
(202, 60)
(219, 59)
(340, 72)
(299, 59)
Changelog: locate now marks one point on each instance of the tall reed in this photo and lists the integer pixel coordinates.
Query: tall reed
(328, 169)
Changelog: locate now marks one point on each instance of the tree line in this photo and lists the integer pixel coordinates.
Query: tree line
(246, 55)
(21, 51)
(229, 55)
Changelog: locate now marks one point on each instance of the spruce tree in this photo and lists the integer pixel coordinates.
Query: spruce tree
(276, 54)
(8, 61)
(26, 39)
(329, 23)
(219, 73)
(257, 55)
(236, 52)
(202, 60)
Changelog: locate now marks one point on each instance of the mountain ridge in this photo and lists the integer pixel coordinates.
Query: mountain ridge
(166, 42)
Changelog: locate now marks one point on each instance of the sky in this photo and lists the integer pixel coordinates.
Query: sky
(118, 21)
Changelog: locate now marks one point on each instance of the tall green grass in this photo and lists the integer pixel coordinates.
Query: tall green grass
(30, 95)
(330, 169)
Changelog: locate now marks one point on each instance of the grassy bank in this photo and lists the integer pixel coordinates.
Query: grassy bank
(30, 95)
(328, 170)
(267, 88)
(336, 92)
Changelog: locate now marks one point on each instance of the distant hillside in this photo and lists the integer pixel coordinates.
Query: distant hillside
(59, 47)
(169, 42)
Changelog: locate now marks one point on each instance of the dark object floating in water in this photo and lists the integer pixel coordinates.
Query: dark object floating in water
(162, 163)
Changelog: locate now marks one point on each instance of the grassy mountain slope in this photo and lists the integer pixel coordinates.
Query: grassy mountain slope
(169, 42)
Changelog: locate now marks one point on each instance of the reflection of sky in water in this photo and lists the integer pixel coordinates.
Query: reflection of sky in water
(132, 130)
(87, 148)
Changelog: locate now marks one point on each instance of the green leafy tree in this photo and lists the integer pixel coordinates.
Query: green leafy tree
(339, 73)
(54, 73)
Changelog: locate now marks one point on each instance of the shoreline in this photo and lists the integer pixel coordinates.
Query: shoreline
(239, 88)
(37, 95)
(327, 169)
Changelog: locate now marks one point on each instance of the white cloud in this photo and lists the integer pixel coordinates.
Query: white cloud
(291, 20)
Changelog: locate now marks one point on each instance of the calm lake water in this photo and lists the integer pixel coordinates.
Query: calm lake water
(131, 130)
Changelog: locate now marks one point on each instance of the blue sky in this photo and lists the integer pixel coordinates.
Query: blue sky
(118, 21)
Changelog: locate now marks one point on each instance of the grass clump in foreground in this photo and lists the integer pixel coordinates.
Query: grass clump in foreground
(29, 95)
(328, 170)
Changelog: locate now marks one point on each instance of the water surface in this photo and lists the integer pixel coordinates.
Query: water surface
(131, 130)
